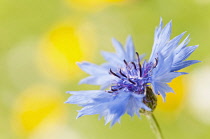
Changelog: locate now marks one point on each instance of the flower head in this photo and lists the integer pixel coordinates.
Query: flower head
(128, 84)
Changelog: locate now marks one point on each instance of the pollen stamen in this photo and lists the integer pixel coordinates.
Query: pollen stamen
(122, 74)
(134, 65)
(156, 62)
(114, 89)
(125, 62)
(131, 81)
(111, 72)
(140, 72)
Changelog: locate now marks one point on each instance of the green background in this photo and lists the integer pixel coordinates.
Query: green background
(24, 24)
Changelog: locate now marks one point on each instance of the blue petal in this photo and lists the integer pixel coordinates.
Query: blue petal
(112, 109)
(165, 34)
(161, 88)
(163, 67)
(108, 105)
(117, 108)
(107, 66)
(183, 64)
(130, 49)
(105, 85)
(183, 44)
(167, 77)
(118, 47)
(97, 80)
(162, 36)
(92, 68)
(170, 46)
(83, 97)
(135, 104)
(158, 30)
(184, 53)
(112, 58)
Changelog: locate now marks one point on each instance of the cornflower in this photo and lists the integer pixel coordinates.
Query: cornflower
(129, 84)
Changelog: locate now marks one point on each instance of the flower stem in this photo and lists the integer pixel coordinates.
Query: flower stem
(155, 126)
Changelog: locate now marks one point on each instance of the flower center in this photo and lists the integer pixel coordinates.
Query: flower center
(134, 77)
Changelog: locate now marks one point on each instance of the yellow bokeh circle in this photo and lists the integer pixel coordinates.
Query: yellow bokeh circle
(36, 105)
(174, 101)
(93, 4)
(62, 47)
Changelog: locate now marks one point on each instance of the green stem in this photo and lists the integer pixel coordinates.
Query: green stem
(155, 126)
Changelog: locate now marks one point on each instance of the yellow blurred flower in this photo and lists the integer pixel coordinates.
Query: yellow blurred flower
(36, 105)
(62, 47)
(175, 100)
(93, 4)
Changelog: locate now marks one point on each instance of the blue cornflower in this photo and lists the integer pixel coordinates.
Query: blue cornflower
(132, 83)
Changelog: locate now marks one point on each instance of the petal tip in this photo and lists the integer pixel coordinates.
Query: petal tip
(65, 102)
(68, 92)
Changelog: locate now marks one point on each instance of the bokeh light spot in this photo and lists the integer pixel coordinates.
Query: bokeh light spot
(62, 47)
(36, 105)
(198, 86)
(56, 132)
(92, 5)
(174, 101)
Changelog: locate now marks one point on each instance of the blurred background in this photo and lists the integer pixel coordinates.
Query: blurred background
(41, 41)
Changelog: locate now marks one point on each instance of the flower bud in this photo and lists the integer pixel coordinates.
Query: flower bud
(150, 100)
